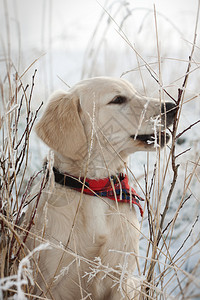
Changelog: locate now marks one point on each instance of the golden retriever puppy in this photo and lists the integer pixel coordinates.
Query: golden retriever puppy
(87, 209)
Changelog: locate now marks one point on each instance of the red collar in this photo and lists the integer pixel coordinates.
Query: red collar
(115, 187)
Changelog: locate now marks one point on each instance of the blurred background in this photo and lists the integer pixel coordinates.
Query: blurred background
(77, 39)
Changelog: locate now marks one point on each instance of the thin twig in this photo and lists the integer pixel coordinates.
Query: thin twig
(189, 127)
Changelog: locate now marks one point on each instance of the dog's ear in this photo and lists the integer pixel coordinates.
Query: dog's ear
(60, 126)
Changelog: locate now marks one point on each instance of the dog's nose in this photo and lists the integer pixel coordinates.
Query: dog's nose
(168, 111)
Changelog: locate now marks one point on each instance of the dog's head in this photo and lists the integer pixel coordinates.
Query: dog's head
(104, 113)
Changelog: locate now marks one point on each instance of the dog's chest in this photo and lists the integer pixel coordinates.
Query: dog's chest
(86, 227)
(96, 217)
(91, 223)
(86, 216)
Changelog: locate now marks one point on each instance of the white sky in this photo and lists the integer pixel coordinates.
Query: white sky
(76, 19)
(61, 28)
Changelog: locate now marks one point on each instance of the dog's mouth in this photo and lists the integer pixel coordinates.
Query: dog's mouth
(160, 139)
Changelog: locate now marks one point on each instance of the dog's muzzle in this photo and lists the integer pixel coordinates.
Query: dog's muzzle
(168, 112)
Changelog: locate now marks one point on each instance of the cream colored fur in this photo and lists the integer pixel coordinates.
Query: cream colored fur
(89, 136)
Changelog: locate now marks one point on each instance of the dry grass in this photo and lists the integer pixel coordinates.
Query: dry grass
(164, 270)
(17, 122)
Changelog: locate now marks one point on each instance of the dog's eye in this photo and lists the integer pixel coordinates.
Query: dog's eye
(118, 100)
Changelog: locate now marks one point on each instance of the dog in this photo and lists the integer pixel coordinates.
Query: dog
(94, 234)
